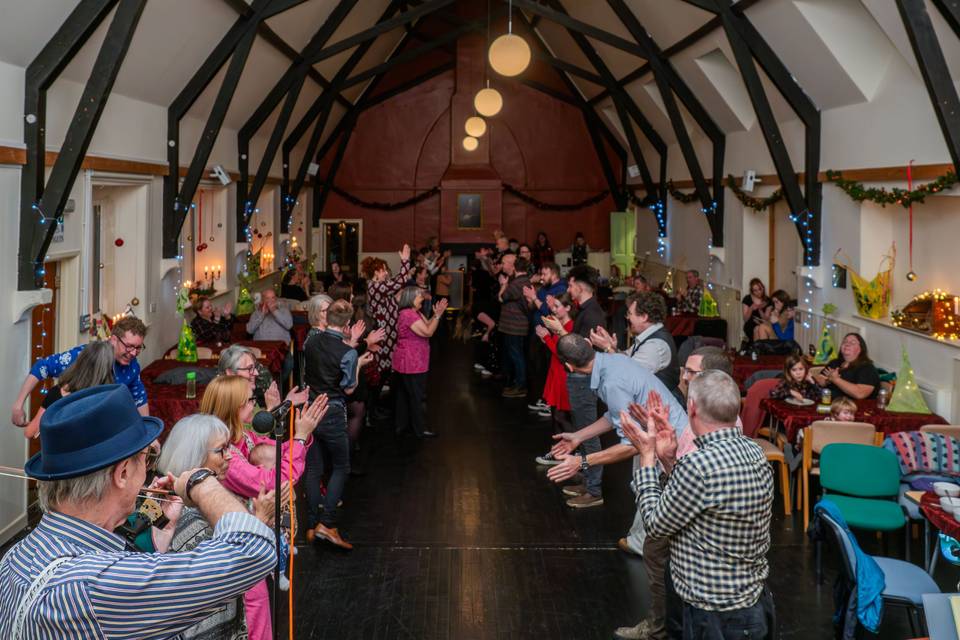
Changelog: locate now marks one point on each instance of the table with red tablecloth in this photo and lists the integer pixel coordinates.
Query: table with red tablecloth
(943, 521)
(793, 418)
(745, 366)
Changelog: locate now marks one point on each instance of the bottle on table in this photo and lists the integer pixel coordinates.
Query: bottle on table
(883, 397)
(191, 385)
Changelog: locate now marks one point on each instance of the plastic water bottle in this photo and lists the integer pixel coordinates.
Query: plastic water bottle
(191, 385)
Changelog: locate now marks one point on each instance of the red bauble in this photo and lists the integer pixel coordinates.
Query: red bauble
(118, 242)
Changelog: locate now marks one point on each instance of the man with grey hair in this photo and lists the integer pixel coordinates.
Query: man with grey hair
(74, 578)
(715, 508)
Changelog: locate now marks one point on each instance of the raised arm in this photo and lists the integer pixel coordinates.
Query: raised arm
(245, 479)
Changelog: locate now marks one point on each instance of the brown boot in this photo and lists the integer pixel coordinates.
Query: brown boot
(332, 536)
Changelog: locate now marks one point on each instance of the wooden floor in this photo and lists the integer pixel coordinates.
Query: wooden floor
(463, 537)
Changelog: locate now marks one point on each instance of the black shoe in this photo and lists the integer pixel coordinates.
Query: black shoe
(428, 434)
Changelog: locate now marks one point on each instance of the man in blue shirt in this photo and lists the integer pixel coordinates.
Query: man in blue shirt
(618, 381)
(74, 578)
(127, 340)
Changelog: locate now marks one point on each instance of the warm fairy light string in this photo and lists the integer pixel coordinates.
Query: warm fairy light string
(950, 329)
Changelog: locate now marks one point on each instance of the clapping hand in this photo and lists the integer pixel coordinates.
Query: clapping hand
(264, 506)
(441, 306)
(566, 443)
(405, 253)
(356, 331)
(271, 396)
(298, 395)
(602, 340)
(530, 294)
(365, 359)
(376, 337)
(309, 417)
(541, 331)
(552, 323)
(569, 466)
(227, 309)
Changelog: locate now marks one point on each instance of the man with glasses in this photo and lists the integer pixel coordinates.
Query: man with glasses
(73, 577)
(127, 340)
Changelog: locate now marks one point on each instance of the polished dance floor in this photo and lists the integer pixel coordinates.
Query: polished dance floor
(463, 537)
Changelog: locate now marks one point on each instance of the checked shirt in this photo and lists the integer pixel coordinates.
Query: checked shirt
(716, 509)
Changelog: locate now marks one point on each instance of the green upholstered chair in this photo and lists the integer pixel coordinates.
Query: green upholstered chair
(863, 481)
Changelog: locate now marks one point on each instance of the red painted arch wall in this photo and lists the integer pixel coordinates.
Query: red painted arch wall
(538, 144)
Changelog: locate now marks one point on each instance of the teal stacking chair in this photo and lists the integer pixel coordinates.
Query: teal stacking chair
(864, 482)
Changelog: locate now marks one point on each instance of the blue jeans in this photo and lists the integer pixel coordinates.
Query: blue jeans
(756, 622)
(583, 407)
(330, 439)
(516, 364)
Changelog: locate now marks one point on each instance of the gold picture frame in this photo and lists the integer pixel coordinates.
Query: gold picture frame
(470, 211)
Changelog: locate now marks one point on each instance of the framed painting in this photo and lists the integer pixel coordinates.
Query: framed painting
(469, 211)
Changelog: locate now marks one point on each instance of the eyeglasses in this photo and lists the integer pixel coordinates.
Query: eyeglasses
(252, 367)
(150, 457)
(689, 373)
(252, 400)
(220, 451)
(134, 349)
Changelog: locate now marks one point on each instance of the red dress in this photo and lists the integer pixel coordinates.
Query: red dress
(555, 390)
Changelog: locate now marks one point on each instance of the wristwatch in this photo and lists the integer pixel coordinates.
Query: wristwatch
(196, 478)
(302, 441)
(584, 465)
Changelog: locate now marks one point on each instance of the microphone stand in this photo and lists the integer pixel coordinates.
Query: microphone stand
(279, 433)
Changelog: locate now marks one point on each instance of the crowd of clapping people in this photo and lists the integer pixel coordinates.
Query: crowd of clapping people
(211, 538)
(541, 330)
(704, 489)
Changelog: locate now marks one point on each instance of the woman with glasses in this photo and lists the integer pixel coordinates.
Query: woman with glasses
(204, 441)
(237, 360)
(230, 399)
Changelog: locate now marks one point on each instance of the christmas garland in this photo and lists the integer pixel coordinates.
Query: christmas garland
(883, 197)
(547, 206)
(757, 204)
(409, 202)
(384, 206)
(685, 198)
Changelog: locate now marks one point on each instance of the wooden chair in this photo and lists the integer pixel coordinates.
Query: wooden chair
(951, 430)
(256, 352)
(204, 353)
(774, 454)
(820, 434)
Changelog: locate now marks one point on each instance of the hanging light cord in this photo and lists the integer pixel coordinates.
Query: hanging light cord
(510, 17)
(485, 62)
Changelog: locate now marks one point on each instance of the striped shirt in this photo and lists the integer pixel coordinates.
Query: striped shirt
(106, 592)
(716, 510)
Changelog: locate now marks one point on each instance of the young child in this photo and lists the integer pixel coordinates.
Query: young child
(796, 383)
(843, 410)
(265, 457)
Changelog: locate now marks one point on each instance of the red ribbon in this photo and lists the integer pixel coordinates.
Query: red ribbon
(910, 188)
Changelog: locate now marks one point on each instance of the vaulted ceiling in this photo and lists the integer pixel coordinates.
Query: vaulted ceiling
(836, 49)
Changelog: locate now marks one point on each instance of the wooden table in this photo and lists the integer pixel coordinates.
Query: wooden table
(794, 418)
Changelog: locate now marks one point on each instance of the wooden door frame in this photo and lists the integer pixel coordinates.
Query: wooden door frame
(323, 239)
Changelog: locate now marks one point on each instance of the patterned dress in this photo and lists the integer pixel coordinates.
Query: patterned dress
(382, 305)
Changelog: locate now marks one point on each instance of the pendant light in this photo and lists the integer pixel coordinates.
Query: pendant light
(488, 102)
(475, 126)
(470, 143)
(509, 54)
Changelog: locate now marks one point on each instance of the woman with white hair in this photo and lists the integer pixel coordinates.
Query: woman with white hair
(204, 441)
(238, 360)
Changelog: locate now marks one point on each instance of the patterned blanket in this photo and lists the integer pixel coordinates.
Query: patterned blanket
(920, 451)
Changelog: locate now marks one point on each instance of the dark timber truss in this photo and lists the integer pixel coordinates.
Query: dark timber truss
(42, 202)
(936, 73)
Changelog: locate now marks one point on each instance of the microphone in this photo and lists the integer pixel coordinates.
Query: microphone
(266, 422)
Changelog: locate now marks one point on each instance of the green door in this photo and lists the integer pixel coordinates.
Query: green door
(623, 238)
